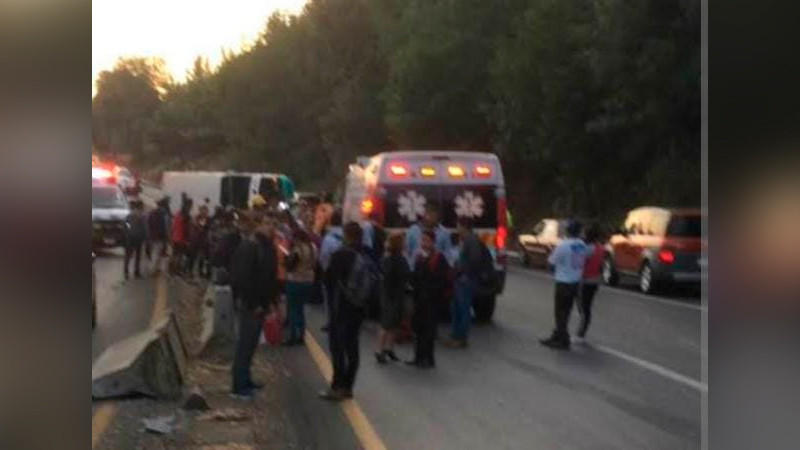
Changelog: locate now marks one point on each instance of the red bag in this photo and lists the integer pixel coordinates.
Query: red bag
(272, 329)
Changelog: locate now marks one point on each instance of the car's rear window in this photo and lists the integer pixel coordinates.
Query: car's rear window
(685, 226)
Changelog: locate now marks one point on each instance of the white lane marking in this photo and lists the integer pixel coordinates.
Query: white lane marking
(661, 300)
(660, 370)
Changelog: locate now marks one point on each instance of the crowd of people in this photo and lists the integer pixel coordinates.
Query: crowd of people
(277, 261)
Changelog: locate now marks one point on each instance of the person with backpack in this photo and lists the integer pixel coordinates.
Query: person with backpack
(331, 243)
(299, 280)
(468, 272)
(396, 274)
(430, 280)
(568, 258)
(135, 237)
(349, 281)
(592, 270)
(254, 273)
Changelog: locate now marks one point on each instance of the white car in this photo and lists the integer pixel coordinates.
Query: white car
(109, 211)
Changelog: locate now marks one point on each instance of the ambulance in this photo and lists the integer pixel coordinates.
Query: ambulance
(397, 187)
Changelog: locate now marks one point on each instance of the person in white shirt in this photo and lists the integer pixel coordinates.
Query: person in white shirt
(568, 258)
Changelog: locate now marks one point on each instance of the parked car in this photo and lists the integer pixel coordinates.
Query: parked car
(658, 247)
(542, 239)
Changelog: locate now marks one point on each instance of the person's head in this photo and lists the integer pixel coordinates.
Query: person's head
(428, 241)
(258, 202)
(464, 226)
(353, 234)
(593, 233)
(336, 218)
(574, 229)
(455, 239)
(431, 217)
(395, 244)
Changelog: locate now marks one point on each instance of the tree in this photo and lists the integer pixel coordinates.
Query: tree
(127, 98)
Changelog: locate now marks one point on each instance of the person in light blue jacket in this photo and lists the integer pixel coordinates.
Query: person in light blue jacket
(568, 258)
(430, 221)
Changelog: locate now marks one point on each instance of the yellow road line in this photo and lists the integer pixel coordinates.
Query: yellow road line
(105, 414)
(101, 420)
(364, 430)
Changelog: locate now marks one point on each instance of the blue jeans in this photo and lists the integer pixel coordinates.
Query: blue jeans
(297, 295)
(461, 308)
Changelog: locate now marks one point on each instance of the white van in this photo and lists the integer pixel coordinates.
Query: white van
(397, 186)
(226, 188)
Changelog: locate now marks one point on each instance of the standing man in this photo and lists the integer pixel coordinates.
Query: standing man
(135, 236)
(430, 280)
(158, 233)
(468, 271)
(568, 258)
(345, 314)
(255, 280)
(323, 213)
(430, 222)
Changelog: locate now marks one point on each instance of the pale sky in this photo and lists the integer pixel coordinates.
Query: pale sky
(177, 30)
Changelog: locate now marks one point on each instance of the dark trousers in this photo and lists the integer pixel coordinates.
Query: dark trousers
(345, 325)
(133, 248)
(588, 291)
(565, 297)
(425, 329)
(250, 328)
(296, 297)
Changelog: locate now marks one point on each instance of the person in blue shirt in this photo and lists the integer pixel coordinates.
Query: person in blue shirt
(568, 259)
(429, 222)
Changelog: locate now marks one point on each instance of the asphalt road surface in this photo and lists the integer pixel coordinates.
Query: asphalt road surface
(635, 385)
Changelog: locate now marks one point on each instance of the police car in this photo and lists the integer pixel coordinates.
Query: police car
(109, 210)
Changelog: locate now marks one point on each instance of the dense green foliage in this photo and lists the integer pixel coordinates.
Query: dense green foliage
(592, 105)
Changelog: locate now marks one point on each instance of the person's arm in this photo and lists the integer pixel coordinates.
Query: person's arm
(556, 256)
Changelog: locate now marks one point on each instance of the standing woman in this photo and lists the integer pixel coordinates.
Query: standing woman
(180, 236)
(395, 279)
(591, 278)
(430, 279)
(300, 265)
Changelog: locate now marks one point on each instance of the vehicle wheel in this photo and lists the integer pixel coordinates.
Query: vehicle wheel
(484, 308)
(646, 282)
(610, 275)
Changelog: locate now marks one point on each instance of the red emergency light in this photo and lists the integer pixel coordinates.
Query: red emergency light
(482, 171)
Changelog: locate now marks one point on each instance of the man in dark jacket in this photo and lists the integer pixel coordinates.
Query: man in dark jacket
(430, 281)
(344, 317)
(254, 270)
(135, 236)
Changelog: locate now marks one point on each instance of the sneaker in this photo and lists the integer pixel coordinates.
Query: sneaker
(333, 395)
(244, 395)
(455, 343)
(256, 386)
(381, 357)
(556, 344)
(392, 355)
